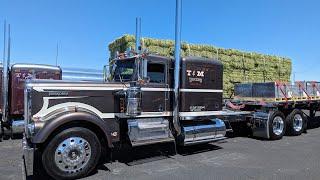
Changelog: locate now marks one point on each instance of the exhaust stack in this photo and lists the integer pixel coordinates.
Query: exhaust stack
(138, 35)
(177, 58)
(142, 63)
(6, 63)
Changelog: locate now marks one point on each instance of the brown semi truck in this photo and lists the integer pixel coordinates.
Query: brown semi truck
(12, 104)
(69, 124)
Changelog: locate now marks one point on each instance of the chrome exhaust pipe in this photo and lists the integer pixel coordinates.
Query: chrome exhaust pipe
(138, 35)
(5, 80)
(177, 60)
(3, 61)
(142, 63)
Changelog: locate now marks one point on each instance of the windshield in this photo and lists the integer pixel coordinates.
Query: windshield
(124, 70)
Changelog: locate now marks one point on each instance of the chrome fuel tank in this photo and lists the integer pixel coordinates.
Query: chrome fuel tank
(204, 131)
(144, 131)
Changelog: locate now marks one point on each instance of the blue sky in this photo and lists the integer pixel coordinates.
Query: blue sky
(83, 28)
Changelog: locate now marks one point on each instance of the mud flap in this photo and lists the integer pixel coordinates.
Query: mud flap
(260, 125)
(28, 158)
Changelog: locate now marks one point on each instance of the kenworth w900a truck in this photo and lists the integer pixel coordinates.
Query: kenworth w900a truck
(148, 99)
(69, 123)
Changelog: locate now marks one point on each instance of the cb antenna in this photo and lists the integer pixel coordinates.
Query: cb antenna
(4, 41)
(57, 53)
(9, 47)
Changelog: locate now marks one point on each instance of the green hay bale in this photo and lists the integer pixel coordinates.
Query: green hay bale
(239, 66)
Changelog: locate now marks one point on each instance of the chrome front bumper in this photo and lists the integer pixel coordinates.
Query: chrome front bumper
(28, 157)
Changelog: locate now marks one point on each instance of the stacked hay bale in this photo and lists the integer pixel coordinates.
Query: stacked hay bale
(239, 66)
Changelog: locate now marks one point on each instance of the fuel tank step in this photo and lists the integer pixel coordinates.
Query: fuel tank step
(203, 131)
(145, 131)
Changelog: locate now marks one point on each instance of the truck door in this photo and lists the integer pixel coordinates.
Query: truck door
(155, 93)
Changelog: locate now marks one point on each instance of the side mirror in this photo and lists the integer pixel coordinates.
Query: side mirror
(146, 79)
(143, 81)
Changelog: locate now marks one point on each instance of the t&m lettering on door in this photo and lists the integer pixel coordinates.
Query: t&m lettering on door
(195, 76)
(195, 73)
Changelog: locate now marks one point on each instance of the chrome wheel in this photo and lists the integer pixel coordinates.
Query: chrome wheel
(73, 154)
(297, 122)
(278, 125)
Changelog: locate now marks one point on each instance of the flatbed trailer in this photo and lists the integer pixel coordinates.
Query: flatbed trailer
(285, 96)
(290, 104)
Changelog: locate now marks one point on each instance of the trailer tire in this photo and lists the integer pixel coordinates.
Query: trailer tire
(71, 154)
(277, 125)
(296, 123)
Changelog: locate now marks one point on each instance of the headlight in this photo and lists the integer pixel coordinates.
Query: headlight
(30, 129)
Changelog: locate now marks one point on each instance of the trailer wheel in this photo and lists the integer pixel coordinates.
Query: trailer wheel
(277, 125)
(296, 122)
(71, 154)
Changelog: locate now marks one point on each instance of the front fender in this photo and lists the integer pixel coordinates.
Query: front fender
(53, 124)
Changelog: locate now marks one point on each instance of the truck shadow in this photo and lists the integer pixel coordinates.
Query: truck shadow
(155, 152)
(150, 153)
(200, 148)
(144, 154)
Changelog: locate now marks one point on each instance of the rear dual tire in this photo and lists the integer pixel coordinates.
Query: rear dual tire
(296, 123)
(277, 125)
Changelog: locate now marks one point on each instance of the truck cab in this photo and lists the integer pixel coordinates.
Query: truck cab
(70, 122)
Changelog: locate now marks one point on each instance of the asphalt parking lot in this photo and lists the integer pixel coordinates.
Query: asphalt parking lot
(236, 158)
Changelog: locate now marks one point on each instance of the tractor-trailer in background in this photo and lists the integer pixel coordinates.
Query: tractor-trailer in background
(12, 83)
(12, 90)
(12, 95)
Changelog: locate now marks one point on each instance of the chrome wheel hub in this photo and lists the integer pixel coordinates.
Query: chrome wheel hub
(297, 122)
(278, 125)
(73, 154)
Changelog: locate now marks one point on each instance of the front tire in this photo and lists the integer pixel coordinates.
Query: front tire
(296, 123)
(277, 125)
(71, 154)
